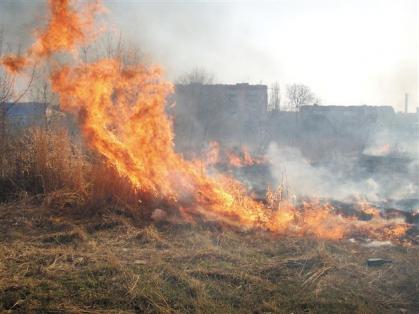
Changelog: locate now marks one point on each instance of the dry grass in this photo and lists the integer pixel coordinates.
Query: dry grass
(73, 239)
(52, 261)
(36, 161)
(47, 166)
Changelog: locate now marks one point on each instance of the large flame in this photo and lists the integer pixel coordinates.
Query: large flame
(122, 114)
(68, 28)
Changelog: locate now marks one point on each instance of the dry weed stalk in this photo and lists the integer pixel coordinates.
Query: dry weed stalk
(47, 164)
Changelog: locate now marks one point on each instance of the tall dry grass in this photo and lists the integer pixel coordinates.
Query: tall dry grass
(55, 168)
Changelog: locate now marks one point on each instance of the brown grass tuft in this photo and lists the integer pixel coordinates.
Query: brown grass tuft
(48, 166)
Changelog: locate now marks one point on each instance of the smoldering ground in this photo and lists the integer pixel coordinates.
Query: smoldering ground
(384, 173)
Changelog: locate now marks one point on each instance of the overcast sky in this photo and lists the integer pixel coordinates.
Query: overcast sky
(350, 52)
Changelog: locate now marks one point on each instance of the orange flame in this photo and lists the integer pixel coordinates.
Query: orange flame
(212, 155)
(121, 110)
(244, 158)
(14, 64)
(247, 157)
(234, 160)
(67, 30)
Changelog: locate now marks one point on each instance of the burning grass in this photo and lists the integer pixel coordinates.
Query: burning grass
(51, 261)
(48, 168)
(78, 237)
(74, 238)
(121, 113)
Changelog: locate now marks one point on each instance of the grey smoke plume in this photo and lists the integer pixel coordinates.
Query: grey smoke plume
(386, 173)
(304, 179)
(18, 19)
(368, 61)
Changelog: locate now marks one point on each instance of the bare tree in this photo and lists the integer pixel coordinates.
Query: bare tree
(119, 48)
(6, 80)
(8, 97)
(274, 97)
(299, 95)
(7, 83)
(197, 75)
(41, 92)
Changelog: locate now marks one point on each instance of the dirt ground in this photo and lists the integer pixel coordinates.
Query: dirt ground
(58, 262)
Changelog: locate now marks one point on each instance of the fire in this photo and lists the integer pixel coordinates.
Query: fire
(249, 160)
(243, 159)
(67, 30)
(14, 64)
(212, 155)
(385, 149)
(234, 160)
(367, 209)
(121, 112)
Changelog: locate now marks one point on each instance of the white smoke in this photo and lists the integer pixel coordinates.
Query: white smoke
(338, 178)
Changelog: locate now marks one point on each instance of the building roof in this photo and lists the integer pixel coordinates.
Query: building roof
(363, 108)
(25, 109)
(234, 86)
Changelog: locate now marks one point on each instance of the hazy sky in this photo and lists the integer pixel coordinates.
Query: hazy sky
(350, 52)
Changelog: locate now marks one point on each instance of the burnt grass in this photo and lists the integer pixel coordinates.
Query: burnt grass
(58, 262)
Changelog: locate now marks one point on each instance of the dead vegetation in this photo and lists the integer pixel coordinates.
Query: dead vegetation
(52, 261)
(48, 167)
(73, 239)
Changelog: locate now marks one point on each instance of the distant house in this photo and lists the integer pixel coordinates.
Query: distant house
(230, 114)
(321, 132)
(25, 114)
(340, 114)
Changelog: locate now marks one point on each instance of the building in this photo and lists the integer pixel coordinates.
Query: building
(345, 114)
(230, 114)
(25, 114)
(321, 132)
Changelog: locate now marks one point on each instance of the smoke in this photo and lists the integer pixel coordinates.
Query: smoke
(385, 141)
(289, 166)
(184, 35)
(18, 18)
(385, 174)
(254, 42)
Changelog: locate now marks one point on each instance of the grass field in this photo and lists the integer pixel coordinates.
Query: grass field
(61, 261)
